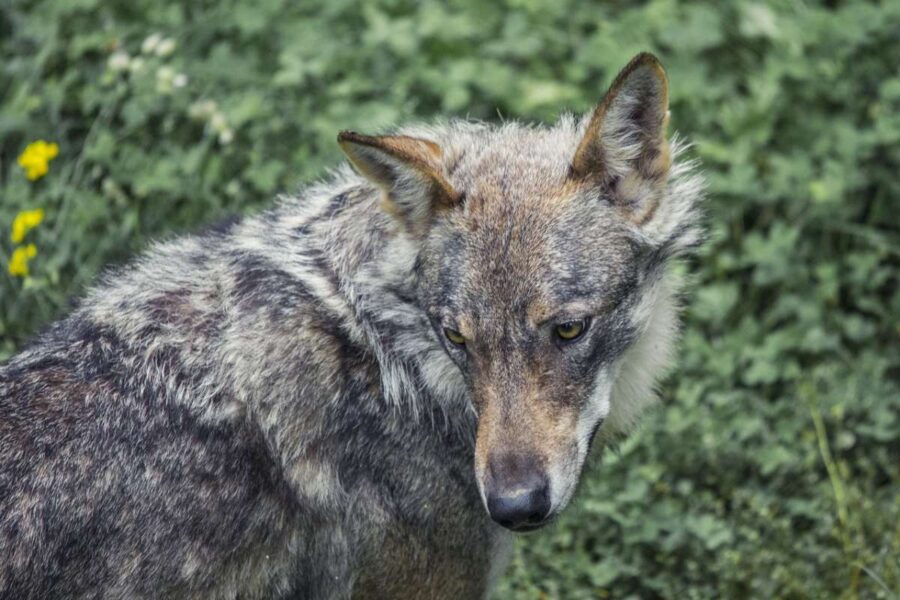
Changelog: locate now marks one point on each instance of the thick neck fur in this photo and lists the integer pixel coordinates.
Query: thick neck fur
(329, 258)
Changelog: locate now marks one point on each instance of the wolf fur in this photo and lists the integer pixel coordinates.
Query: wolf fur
(270, 408)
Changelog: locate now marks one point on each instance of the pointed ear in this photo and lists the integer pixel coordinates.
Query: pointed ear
(624, 147)
(409, 171)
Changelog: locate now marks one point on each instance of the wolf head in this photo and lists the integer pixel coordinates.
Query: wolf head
(541, 266)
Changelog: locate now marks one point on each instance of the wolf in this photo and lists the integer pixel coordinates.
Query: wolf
(362, 391)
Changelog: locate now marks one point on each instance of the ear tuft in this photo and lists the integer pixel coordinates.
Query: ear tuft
(624, 145)
(408, 169)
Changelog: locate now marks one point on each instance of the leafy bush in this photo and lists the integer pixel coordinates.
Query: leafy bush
(772, 470)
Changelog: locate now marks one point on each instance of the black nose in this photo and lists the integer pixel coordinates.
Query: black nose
(518, 495)
(523, 510)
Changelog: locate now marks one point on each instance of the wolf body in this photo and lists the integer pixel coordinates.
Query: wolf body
(358, 392)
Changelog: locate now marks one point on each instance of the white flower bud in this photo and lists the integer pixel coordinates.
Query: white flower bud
(218, 122)
(150, 43)
(165, 47)
(119, 61)
(226, 136)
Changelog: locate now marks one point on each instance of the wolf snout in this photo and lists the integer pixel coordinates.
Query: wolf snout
(517, 492)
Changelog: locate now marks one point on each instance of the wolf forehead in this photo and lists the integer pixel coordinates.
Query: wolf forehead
(506, 166)
(497, 275)
(523, 232)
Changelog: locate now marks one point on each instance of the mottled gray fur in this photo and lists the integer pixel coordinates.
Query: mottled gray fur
(271, 409)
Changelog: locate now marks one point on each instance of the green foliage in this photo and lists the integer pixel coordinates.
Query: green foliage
(772, 470)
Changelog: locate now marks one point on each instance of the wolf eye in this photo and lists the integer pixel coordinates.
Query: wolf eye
(571, 330)
(454, 336)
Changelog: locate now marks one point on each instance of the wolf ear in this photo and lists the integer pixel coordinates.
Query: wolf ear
(407, 169)
(624, 147)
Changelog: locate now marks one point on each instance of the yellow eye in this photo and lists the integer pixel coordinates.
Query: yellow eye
(570, 329)
(454, 336)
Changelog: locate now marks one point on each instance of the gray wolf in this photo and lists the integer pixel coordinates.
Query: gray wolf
(362, 391)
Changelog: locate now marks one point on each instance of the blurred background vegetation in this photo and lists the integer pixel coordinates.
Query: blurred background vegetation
(772, 470)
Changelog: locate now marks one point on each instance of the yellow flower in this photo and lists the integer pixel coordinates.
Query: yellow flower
(36, 159)
(24, 222)
(18, 262)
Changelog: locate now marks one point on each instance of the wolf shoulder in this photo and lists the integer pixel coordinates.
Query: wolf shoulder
(128, 454)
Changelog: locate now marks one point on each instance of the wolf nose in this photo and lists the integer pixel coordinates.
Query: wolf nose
(524, 510)
(517, 498)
